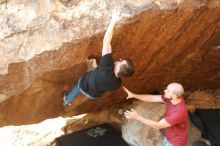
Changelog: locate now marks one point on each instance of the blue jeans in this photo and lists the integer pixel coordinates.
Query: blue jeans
(74, 92)
(166, 142)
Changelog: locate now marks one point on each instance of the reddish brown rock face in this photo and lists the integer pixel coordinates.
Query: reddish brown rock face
(181, 45)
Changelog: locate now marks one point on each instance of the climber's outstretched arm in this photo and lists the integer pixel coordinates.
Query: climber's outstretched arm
(106, 49)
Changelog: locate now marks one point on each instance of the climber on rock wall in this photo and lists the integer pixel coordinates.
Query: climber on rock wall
(107, 75)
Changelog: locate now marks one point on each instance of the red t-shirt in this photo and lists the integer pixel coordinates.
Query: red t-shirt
(177, 116)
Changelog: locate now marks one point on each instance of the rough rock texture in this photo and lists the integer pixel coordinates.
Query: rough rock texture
(204, 99)
(40, 134)
(45, 132)
(136, 133)
(44, 45)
